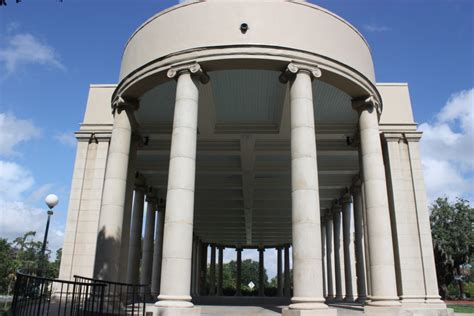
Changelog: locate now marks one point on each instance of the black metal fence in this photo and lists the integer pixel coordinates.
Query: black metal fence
(43, 296)
(121, 298)
(40, 296)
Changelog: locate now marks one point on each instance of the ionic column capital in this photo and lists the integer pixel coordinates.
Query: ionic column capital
(367, 103)
(293, 68)
(193, 68)
(121, 103)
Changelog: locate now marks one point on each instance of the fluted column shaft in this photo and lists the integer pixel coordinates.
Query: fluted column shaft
(106, 266)
(261, 272)
(382, 263)
(346, 228)
(238, 280)
(358, 244)
(136, 235)
(147, 261)
(329, 254)
(176, 263)
(306, 230)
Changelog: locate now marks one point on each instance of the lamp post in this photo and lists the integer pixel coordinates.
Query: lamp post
(51, 201)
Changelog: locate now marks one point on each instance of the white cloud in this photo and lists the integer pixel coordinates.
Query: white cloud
(14, 131)
(17, 213)
(23, 49)
(40, 193)
(376, 28)
(12, 27)
(67, 139)
(14, 180)
(448, 148)
(17, 218)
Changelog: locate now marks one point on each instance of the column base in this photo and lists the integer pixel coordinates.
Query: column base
(434, 300)
(349, 299)
(171, 311)
(174, 301)
(384, 302)
(310, 312)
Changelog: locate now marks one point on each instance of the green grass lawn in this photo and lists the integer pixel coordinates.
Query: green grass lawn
(462, 308)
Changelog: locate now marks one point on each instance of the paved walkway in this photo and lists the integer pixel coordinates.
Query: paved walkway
(208, 310)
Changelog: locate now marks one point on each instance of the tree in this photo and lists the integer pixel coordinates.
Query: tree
(53, 267)
(453, 238)
(28, 253)
(24, 254)
(7, 269)
(249, 272)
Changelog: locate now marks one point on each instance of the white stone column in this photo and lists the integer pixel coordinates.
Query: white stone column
(358, 244)
(287, 276)
(135, 245)
(212, 271)
(346, 228)
(306, 236)
(382, 264)
(280, 271)
(238, 281)
(158, 250)
(128, 207)
(337, 252)
(220, 272)
(178, 230)
(366, 243)
(110, 228)
(329, 255)
(261, 272)
(147, 252)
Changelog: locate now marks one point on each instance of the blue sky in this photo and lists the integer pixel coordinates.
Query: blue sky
(51, 51)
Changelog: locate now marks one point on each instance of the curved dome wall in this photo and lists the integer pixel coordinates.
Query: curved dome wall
(288, 25)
